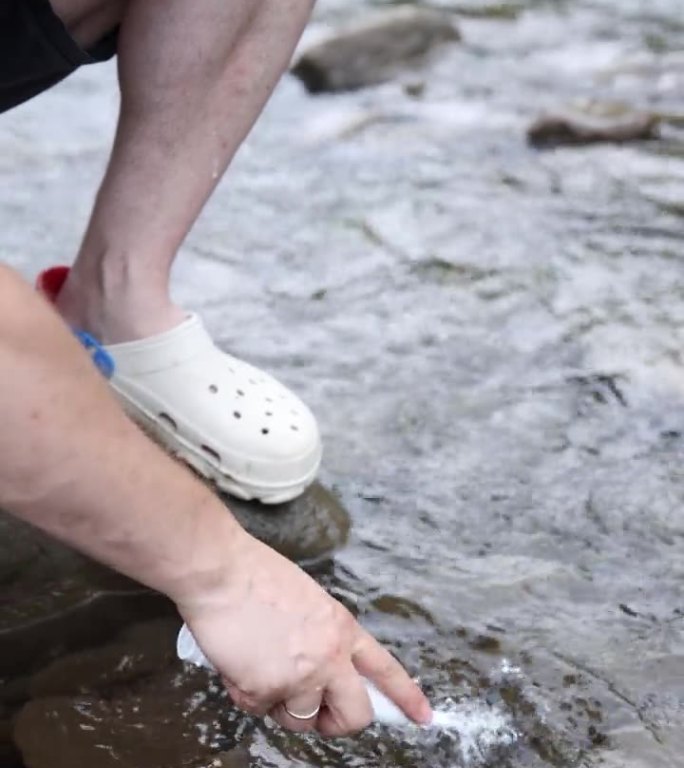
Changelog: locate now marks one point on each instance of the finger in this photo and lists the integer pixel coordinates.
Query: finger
(347, 707)
(304, 706)
(247, 703)
(301, 706)
(381, 668)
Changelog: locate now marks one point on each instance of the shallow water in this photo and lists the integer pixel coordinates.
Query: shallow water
(492, 339)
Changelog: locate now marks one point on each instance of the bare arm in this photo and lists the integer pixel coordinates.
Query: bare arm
(72, 464)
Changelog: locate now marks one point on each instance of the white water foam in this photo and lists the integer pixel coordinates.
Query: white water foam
(463, 733)
(480, 728)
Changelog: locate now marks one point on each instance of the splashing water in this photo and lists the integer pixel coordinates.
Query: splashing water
(479, 727)
(472, 729)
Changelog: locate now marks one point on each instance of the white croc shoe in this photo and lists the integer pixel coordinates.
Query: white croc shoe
(231, 422)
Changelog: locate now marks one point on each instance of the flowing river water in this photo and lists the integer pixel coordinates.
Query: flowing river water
(493, 340)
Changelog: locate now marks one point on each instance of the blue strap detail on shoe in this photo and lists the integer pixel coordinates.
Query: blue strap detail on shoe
(99, 355)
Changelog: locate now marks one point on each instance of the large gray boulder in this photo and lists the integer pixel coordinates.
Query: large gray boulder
(376, 50)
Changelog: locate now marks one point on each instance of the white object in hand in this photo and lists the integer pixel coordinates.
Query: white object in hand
(385, 711)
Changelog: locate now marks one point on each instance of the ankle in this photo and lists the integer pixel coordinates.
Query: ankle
(115, 305)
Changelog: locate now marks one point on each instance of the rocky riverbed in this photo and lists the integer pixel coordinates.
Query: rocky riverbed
(491, 334)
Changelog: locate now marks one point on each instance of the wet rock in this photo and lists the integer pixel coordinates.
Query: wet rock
(592, 125)
(14, 692)
(415, 88)
(141, 651)
(486, 644)
(129, 702)
(175, 719)
(9, 755)
(371, 53)
(305, 529)
(401, 607)
(56, 600)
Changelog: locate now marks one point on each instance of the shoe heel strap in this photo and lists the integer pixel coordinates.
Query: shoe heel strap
(99, 355)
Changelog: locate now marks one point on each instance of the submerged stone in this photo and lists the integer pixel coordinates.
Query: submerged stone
(141, 650)
(373, 52)
(56, 600)
(172, 719)
(128, 702)
(597, 124)
(9, 755)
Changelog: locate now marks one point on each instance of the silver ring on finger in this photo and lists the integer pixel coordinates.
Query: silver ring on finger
(296, 716)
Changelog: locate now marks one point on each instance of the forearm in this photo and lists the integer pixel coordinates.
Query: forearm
(72, 464)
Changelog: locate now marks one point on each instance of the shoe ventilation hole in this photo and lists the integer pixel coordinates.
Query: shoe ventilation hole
(213, 389)
(212, 454)
(168, 421)
(265, 431)
(269, 413)
(237, 414)
(269, 399)
(240, 393)
(294, 428)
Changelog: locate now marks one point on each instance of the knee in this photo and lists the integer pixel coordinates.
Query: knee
(88, 21)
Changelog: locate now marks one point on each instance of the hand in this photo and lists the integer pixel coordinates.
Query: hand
(281, 643)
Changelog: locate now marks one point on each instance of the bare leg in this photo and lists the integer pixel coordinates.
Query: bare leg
(194, 78)
(88, 21)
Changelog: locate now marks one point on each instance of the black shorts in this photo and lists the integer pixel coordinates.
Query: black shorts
(36, 50)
